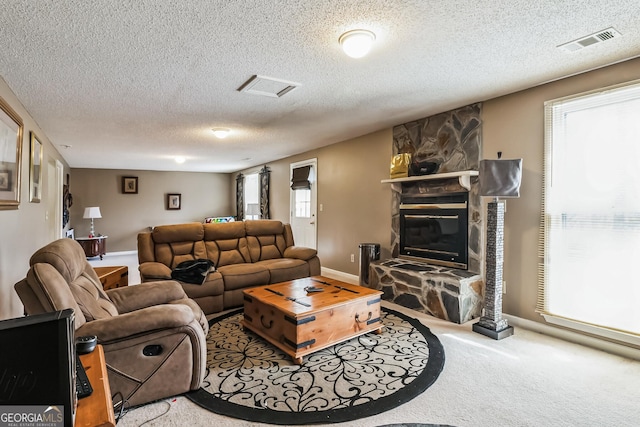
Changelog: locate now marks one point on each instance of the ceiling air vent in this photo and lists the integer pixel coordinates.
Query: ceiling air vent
(267, 86)
(591, 39)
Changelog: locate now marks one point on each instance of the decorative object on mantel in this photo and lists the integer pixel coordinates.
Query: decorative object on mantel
(400, 165)
(422, 167)
(91, 213)
(498, 178)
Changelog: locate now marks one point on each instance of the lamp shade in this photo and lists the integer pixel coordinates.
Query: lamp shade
(500, 178)
(253, 209)
(92, 212)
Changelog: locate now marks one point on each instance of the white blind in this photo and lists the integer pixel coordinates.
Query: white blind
(590, 227)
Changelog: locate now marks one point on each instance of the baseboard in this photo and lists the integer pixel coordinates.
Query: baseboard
(567, 335)
(121, 253)
(339, 275)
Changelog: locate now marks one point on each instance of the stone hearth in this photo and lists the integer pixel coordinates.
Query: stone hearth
(446, 293)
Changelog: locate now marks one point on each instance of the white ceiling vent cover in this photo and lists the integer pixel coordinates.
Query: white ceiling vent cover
(267, 86)
(591, 39)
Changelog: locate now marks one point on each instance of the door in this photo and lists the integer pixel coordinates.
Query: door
(55, 172)
(303, 201)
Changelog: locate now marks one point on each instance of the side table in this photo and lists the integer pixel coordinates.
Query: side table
(113, 277)
(93, 246)
(96, 409)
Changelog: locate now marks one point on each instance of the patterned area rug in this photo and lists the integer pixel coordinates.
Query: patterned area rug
(252, 380)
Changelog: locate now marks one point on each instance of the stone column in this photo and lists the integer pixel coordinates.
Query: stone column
(491, 323)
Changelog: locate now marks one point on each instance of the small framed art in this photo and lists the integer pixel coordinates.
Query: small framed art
(35, 170)
(174, 201)
(130, 185)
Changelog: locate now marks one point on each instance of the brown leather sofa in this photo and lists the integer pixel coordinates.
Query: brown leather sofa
(153, 336)
(245, 254)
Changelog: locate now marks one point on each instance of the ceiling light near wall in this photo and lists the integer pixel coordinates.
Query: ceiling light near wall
(180, 159)
(357, 43)
(220, 132)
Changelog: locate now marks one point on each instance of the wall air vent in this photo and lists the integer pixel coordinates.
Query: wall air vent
(591, 39)
(267, 86)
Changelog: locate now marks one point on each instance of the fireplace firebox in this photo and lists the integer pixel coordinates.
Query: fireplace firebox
(434, 229)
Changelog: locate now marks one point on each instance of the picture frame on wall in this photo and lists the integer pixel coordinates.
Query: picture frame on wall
(11, 129)
(130, 185)
(35, 170)
(174, 201)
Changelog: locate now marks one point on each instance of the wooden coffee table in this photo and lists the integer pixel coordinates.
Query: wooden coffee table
(305, 315)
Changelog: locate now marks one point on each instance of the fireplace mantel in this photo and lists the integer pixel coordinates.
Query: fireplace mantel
(464, 177)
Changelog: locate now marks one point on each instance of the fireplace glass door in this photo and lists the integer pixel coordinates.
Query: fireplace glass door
(435, 232)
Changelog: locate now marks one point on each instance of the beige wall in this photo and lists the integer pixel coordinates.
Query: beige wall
(514, 124)
(125, 215)
(24, 230)
(356, 206)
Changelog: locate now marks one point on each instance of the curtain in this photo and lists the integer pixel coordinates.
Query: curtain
(240, 197)
(300, 179)
(265, 174)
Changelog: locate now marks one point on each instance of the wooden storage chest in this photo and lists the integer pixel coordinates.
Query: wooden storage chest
(298, 320)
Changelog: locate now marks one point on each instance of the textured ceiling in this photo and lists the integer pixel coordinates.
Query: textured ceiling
(131, 86)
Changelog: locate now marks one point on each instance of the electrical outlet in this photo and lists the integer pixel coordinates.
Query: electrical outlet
(504, 286)
(353, 258)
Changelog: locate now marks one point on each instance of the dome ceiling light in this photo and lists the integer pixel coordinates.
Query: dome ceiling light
(220, 132)
(357, 43)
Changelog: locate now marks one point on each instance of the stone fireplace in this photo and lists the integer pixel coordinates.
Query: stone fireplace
(444, 279)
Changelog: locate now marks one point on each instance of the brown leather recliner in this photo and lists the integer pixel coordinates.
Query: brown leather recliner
(153, 335)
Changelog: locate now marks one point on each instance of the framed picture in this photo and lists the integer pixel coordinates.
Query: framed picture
(35, 170)
(130, 184)
(174, 201)
(10, 156)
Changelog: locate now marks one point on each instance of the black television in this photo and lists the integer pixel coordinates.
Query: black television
(37, 369)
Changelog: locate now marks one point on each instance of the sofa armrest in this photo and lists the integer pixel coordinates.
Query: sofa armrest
(148, 294)
(154, 271)
(138, 322)
(299, 252)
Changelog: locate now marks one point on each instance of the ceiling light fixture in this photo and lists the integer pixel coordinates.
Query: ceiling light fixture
(180, 159)
(357, 43)
(220, 132)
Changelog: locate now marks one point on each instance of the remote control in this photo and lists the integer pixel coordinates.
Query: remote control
(86, 344)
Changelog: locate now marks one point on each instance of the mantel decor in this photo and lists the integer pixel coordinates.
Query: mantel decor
(11, 129)
(498, 178)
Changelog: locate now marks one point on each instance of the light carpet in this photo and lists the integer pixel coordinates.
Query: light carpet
(525, 380)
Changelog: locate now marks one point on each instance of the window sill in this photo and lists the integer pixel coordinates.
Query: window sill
(609, 334)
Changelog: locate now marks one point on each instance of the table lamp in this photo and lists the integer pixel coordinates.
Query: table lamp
(92, 212)
(498, 179)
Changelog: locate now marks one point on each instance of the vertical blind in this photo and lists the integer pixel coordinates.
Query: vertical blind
(590, 223)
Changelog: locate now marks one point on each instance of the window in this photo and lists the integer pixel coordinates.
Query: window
(591, 213)
(251, 196)
(303, 203)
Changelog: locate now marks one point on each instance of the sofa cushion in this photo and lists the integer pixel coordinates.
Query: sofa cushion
(226, 243)
(285, 269)
(237, 276)
(212, 286)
